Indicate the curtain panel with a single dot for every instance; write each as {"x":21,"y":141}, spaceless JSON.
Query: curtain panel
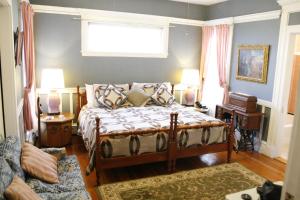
{"x":207,"y":34}
{"x":29,"y":61}
{"x":222,"y":41}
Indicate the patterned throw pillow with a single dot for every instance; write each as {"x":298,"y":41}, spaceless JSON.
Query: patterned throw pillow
{"x":150,"y":89}
{"x":112,"y":97}
{"x":162,"y":96}
{"x":99,"y":90}
{"x":10,"y":149}
{"x":6,"y":176}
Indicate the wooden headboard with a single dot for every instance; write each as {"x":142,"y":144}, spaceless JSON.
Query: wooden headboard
{"x":82,"y":100}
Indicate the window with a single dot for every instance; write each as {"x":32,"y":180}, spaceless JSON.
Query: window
{"x":123,"y":39}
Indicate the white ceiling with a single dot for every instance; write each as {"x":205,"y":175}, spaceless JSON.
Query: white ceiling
{"x":201,"y":2}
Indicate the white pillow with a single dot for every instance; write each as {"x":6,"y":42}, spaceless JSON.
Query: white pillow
{"x":89,"y":89}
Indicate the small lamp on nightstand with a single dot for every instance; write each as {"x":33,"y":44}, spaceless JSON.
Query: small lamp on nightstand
{"x":52,"y":80}
{"x":191,"y":79}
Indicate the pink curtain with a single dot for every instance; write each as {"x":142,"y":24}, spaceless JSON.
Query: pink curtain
{"x":207,"y":34}
{"x":29,"y":60}
{"x":222,"y":40}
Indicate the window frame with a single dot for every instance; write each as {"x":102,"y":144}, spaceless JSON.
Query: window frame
{"x":84,"y":38}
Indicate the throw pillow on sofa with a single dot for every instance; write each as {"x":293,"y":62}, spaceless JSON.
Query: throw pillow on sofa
{"x":18,"y":190}
{"x":39,"y":164}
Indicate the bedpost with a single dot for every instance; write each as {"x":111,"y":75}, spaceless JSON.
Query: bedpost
{"x":175,"y":140}
{"x":78,"y":104}
{"x":170,"y":143}
{"x":39,"y":122}
{"x":97,"y":154}
{"x":230,"y":137}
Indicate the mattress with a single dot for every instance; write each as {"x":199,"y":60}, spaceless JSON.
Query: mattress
{"x":125,"y":120}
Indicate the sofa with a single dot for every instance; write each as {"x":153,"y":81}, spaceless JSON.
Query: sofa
{"x":70,"y":186}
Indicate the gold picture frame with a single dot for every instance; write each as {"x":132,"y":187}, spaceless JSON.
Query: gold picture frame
{"x":253,"y":61}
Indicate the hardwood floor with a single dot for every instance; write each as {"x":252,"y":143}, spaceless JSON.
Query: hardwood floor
{"x":262,"y":165}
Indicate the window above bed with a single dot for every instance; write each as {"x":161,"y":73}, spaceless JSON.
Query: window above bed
{"x":124,"y":38}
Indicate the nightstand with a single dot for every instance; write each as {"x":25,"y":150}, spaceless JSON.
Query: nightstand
{"x":58,"y":130}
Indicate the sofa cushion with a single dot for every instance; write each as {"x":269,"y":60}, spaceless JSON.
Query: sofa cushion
{"x":6,"y":176}
{"x":74,"y":195}
{"x":69,"y":175}
{"x":39,"y":164}
{"x":18,"y":190}
{"x":10,"y":149}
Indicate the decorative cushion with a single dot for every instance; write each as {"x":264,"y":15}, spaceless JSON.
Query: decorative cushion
{"x":138,"y":97}
{"x":162,"y":96}
{"x":70,"y":178}
{"x":10,"y":149}
{"x":39,"y":164}
{"x":99,"y":90}
{"x":150,"y":89}
{"x":6,"y":176}
{"x":18,"y":190}
{"x":112,"y":97}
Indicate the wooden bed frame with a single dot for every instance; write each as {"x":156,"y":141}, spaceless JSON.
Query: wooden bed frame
{"x":170,"y":155}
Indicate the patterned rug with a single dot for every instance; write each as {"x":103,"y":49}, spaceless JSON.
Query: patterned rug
{"x":211,"y":183}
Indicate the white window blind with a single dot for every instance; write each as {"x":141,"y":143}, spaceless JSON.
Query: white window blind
{"x":125,"y":39}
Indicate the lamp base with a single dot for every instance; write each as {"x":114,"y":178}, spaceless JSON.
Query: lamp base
{"x":189,"y":96}
{"x":53,"y":103}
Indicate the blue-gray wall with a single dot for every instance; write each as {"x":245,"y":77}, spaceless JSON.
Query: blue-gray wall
{"x":234,"y":8}
{"x":294,"y":18}
{"x":57,"y":43}
{"x":153,"y":7}
{"x":263,"y":32}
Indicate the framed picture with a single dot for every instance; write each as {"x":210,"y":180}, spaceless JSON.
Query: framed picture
{"x":253,"y":63}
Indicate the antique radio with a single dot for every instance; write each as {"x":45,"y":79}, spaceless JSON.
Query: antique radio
{"x":242,"y":102}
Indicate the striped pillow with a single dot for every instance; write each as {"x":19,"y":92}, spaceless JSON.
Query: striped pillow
{"x":39,"y":164}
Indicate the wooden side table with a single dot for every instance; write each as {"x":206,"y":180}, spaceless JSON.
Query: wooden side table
{"x":58,"y":130}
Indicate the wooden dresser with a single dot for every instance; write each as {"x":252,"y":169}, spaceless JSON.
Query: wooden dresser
{"x":247,"y":118}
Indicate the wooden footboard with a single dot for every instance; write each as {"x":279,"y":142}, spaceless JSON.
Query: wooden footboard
{"x":170,"y":155}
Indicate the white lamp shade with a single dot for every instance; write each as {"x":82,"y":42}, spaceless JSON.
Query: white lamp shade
{"x":190,"y":77}
{"x":52,"y":79}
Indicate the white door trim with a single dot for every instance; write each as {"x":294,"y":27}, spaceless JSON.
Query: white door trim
{"x":282,"y":75}
{"x":8,"y":70}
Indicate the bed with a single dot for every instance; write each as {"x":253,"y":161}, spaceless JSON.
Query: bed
{"x":138,"y":135}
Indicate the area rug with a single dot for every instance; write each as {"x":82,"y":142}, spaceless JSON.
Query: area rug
{"x":210,"y":183}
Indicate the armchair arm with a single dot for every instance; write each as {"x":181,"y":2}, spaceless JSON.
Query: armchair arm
{"x":59,"y":153}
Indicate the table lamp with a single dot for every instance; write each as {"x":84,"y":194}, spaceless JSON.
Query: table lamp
{"x":191,"y":79}
{"x":52,"y":80}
